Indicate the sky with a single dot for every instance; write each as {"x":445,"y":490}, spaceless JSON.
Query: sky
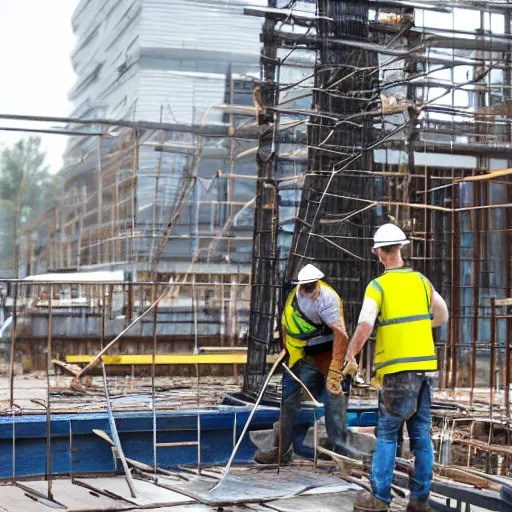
{"x":36,"y":41}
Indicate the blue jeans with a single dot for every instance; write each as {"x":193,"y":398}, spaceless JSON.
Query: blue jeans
{"x":405,"y":397}
{"x":335,"y":410}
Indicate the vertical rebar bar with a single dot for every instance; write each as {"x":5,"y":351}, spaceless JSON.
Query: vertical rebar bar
{"x":102,"y":315}
{"x":476,"y":291}
{"x":198,"y":442}
{"x":13,"y":344}
{"x":48,"y":395}
{"x":507,"y":371}
{"x":154,"y":294}
{"x":455,"y":299}
{"x":100,"y":199}
{"x":492,"y":356}
{"x":71,"y":450}
{"x":13,"y":446}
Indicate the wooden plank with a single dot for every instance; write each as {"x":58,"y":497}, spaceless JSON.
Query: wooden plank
{"x":489,"y":176}
{"x":128,"y":359}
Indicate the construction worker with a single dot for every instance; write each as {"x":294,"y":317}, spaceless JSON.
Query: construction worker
{"x":313,"y":328}
{"x":407,"y":308}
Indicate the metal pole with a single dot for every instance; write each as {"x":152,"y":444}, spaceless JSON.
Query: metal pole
{"x":196,"y":336}
{"x":115,"y":435}
{"x":492,"y":356}
{"x":476,"y":288}
{"x":13,"y":446}
{"x":507,"y":372}
{"x":48,"y":394}
{"x":71,"y":450}
{"x":234,"y":430}
{"x":153,"y":358}
{"x":198,"y":443}
{"x":102,"y":315}
{"x":100,"y":198}
{"x":280,"y":357}
{"x":13,"y":345}
{"x":280,"y":441}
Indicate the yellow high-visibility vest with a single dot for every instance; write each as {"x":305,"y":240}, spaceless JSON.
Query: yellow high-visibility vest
{"x":404,"y":329}
{"x":300,"y":331}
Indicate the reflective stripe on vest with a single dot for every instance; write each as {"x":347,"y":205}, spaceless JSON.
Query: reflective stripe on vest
{"x":404,"y":330}
{"x":405,"y":319}
{"x":378,"y":366}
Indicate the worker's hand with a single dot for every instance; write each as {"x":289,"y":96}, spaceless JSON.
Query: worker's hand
{"x":334,"y":380}
{"x":350,"y":367}
{"x":376,"y":383}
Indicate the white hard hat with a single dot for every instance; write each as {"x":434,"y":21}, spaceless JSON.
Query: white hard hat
{"x":389,"y":234}
{"x":309,"y":274}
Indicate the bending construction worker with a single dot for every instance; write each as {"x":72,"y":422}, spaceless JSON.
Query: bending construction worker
{"x":316,"y":341}
{"x":407,"y":308}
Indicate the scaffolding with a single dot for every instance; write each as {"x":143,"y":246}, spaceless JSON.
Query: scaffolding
{"x":395,"y":112}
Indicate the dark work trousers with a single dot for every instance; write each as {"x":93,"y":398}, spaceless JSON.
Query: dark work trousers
{"x":405,"y":397}
{"x":335,"y":409}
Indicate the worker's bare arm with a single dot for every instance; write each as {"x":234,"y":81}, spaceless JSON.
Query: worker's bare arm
{"x":361,"y":335}
{"x":439,"y":310}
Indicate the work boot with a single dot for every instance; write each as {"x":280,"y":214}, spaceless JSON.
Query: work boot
{"x":270,"y":456}
{"x":367,"y":502}
{"x":418,"y":506}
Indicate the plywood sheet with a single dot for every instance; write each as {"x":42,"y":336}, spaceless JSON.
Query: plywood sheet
{"x":258,"y":485}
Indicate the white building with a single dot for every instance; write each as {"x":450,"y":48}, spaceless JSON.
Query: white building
{"x":173,"y":61}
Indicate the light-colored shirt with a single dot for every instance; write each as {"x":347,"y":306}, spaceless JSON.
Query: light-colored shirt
{"x":326,"y":308}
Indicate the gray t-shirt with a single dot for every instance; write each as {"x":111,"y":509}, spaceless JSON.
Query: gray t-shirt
{"x":326,"y":308}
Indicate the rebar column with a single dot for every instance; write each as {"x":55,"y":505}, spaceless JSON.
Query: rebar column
{"x":265,"y":265}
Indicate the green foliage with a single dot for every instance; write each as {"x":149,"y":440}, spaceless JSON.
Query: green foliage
{"x":23,"y":166}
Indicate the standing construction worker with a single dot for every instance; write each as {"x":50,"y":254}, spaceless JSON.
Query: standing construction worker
{"x":313,"y":328}
{"x":407,"y":308}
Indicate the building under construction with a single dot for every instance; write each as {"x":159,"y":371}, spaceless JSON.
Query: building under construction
{"x":364,"y":112}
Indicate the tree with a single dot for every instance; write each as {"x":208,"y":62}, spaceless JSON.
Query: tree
{"x":26,"y":185}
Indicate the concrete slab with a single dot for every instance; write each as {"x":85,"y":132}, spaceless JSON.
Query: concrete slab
{"x":335,"y":502}
{"x":77,"y":498}
{"x":147,"y":492}
{"x":13,"y":499}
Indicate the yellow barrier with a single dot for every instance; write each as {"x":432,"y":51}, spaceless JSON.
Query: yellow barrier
{"x":146,"y":359}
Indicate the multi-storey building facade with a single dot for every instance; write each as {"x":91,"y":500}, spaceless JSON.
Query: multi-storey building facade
{"x":146,"y":200}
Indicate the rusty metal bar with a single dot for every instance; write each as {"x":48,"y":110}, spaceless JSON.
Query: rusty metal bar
{"x":492,"y":356}
{"x":153,"y":369}
{"x":13,"y":345}
{"x":102,"y":315}
{"x":507,"y":372}
{"x":48,"y":396}
{"x":455,"y":299}
{"x":476,"y":291}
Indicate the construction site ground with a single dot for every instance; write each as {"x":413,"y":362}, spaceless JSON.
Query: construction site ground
{"x":295,"y":488}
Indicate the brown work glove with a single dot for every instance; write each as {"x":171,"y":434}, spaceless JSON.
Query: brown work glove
{"x":350,"y":367}
{"x":334,"y":378}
